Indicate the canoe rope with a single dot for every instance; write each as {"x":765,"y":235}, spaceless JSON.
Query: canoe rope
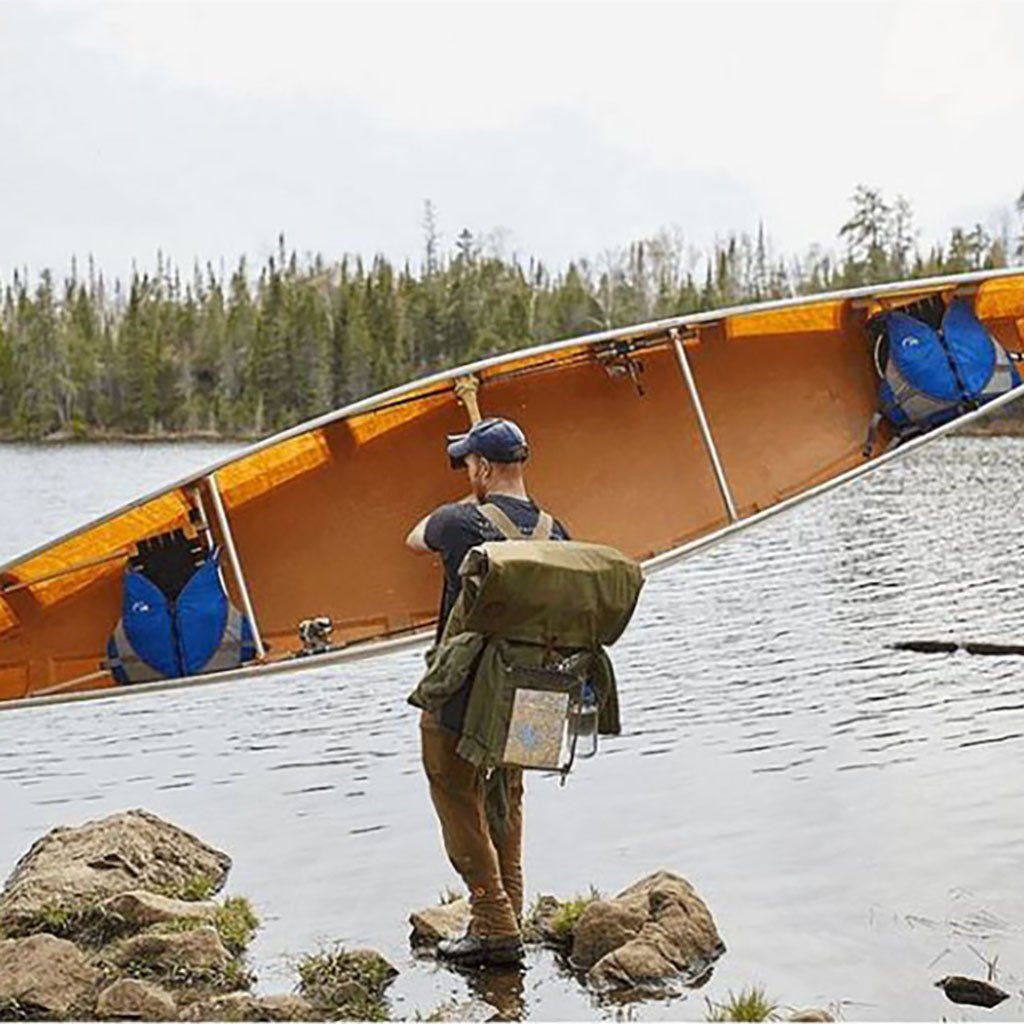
{"x":466,"y":389}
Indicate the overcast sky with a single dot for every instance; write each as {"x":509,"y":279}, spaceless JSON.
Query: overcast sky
{"x":205,"y":129}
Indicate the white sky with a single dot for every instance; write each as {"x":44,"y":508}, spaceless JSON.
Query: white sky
{"x":206,"y":128}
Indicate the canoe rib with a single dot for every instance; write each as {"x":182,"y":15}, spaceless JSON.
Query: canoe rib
{"x":705,"y":430}
{"x":236,"y":564}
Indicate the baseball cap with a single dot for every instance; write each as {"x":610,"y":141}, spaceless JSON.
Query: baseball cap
{"x":497,"y":439}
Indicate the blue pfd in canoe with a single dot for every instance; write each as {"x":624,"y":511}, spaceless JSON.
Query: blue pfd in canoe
{"x":934,"y":371}
{"x":163,"y":638}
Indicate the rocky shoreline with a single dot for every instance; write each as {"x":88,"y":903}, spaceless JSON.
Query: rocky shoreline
{"x":117,"y":919}
{"x":122,"y":919}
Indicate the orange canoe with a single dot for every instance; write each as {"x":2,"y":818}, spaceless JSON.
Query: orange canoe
{"x":658,"y":439}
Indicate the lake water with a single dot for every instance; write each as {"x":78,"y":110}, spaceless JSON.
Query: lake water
{"x":852,"y":815}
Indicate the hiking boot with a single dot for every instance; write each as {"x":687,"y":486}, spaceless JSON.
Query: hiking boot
{"x":474,"y":951}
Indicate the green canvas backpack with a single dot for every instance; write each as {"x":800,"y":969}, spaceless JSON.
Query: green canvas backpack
{"x":530,"y":627}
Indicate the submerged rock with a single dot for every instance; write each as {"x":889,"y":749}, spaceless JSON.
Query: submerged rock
{"x":69,"y":869}
{"x":243,"y":1006}
{"x":133,"y":999}
{"x":811,"y":1015}
{"x":971,"y":991}
{"x":44,"y":975}
{"x":443,"y":921}
{"x":471,"y":1011}
{"x":651,"y":934}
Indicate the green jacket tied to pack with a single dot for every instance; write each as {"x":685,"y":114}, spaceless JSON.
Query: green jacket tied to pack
{"x":530,"y":625}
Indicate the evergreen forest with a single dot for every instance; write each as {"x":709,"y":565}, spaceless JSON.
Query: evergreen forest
{"x":246,"y":353}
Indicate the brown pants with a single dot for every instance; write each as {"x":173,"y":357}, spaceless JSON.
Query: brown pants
{"x":490,"y":865}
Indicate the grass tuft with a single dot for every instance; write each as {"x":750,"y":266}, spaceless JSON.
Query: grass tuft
{"x":448,"y":895}
{"x":230,"y":978}
{"x":564,"y":920}
{"x":91,"y":926}
{"x":194,"y":889}
{"x":346,"y":985}
{"x":236,"y":923}
{"x":750,"y":1004}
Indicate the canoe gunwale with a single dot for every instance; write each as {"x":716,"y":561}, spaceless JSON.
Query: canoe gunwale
{"x":656,"y":563}
{"x":633,"y":333}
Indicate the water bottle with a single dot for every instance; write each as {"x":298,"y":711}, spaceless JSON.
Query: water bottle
{"x":586,"y":722}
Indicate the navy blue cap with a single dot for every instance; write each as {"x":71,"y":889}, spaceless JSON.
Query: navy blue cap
{"x":496,"y":439}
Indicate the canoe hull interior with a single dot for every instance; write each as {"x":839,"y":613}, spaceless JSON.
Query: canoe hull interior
{"x":318,"y":519}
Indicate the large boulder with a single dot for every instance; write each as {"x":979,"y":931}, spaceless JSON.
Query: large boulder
{"x":134,"y":999}
{"x":444,"y":921}
{"x":243,"y":1006}
{"x":69,"y":869}
{"x":44,"y":975}
{"x":655,"y":933}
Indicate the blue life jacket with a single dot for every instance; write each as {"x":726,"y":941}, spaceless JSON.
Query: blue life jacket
{"x":932,"y":376}
{"x":157,"y":638}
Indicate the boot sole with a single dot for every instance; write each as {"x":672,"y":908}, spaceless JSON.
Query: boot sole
{"x":489,"y":958}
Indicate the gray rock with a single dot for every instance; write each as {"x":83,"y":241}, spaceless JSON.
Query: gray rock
{"x":242,"y":1006}
{"x":72,"y":868}
{"x":470,"y":1010}
{"x":132,"y":999}
{"x":141,"y":909}
{"x":46,"y":974}
{"x":538,"y":926}
{"x":445,"y":921}
{"x":812,"y":1015}
{"x":655,"y":932}
{"x":198,"y":950}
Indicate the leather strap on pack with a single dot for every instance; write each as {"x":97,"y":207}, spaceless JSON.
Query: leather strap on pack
{"x":504,"y":525}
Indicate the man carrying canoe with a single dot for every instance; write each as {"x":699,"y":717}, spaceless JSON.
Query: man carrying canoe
{"x":487,"y":857}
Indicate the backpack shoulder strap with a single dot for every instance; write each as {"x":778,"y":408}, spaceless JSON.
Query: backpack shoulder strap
{"x":500,"y":521}
{"x":544,"y":528}
{"x":504,"y":525}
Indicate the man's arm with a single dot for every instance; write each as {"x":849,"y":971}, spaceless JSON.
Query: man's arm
{"x":417,"y":538}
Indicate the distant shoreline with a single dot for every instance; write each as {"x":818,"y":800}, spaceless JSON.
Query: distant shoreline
{"x":997,"y":426}
{"x":115,"y":437}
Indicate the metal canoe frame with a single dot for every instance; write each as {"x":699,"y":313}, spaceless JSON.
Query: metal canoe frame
{"x":670,"y":327}
{"x":705,"y":429}
{"x":236,"y":564}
